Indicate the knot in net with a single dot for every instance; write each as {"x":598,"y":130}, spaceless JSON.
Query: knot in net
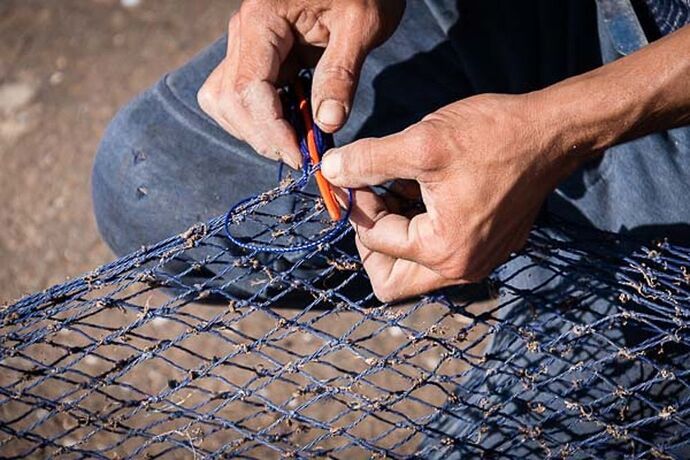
{"x":290,"y":218}
{"x":198,"y":346}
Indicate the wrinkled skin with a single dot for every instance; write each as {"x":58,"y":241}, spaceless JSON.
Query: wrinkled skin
{"x":482,"y":166}
{"x":269,"y":41}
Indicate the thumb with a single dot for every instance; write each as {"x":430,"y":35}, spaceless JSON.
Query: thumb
{"x":370,"y":161}
{"x":335,"y":79}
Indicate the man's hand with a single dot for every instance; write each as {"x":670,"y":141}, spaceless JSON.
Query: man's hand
{"x":269,"y":41}
{"x":483,"y":165}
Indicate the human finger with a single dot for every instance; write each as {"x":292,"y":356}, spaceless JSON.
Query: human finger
{"x":373,"y":161}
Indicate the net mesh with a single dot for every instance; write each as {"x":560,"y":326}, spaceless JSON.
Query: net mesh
{"x":197,"y":347}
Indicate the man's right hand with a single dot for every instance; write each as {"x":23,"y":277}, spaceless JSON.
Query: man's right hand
{"x":269,"y":41}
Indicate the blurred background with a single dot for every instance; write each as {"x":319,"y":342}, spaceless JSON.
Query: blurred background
{"x":66,"y":66}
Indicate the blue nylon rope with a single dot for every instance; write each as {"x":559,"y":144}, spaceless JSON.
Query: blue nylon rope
{"x":308,"y":170}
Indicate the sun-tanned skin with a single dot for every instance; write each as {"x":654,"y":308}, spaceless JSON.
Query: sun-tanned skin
{"x":482,"y":165}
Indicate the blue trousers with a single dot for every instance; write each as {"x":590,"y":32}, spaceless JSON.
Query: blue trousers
{"x":164,"y":165}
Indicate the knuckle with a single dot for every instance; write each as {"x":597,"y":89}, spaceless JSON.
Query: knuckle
{"x":384,"y":291}
{"x":434,"y":159}
{"x":450,"y":261}
{"x":240,"y":90}
{"x":263,"y":150}
{"x":456,"y":268}
{"x":205,"y":99}
{"x":437,"y":246}
{"x":417,"y":246}
{"x":339,"y":72}
{"x":362,"y":18}
{"x":225,"y":111}
{"x":365,"y":237}
{"x":424,"y":139}
{"x":361,"y":164}
{"x":250,"y":7}
{"x":464,"y":266}
{"x":247,"y":95}
{"x":425,"y":133}
{"x":436,"y":257}
{"x":383,"y":286}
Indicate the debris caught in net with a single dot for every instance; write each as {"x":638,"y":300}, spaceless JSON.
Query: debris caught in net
{"x":198,"y":347}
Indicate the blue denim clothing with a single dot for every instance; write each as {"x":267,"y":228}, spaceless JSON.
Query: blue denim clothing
{"x":669,"y":15}
{"x":164,"y":165}
{"x":621,"y":192}
{"x":639,"y":187}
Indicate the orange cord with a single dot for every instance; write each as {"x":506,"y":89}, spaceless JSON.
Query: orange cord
{"x":321,"y":182}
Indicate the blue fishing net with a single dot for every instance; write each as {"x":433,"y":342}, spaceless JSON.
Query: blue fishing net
{"x":256,"y":335}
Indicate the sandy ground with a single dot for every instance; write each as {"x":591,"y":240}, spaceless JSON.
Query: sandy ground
{"x":65,"y":68}
{"x":232,"y":380}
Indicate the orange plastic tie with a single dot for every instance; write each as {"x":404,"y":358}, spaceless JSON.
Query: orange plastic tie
{"x":324,"y":186}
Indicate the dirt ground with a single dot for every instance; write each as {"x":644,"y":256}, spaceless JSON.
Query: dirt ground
{"x":65,"y":68}
{"x":97,"y":396}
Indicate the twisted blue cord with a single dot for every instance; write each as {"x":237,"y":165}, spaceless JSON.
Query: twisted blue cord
{"x":308,"y":170}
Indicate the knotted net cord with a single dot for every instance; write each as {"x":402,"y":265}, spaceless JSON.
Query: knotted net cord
{"x":198,"y":347}
{"x":289,"y":188}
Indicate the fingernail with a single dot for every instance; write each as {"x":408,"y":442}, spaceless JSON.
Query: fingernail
{"x":331,"y":112}
{"x":330,"y":164}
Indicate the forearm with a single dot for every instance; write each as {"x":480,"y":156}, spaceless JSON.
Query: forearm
{"x":642,"y":93}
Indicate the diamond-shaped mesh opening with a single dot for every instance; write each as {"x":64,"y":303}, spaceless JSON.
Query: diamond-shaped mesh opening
{"x":590,"y":357}
{"x":203,"y":345}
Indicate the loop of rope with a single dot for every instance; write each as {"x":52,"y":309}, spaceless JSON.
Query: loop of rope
{"x":308,"y":170}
